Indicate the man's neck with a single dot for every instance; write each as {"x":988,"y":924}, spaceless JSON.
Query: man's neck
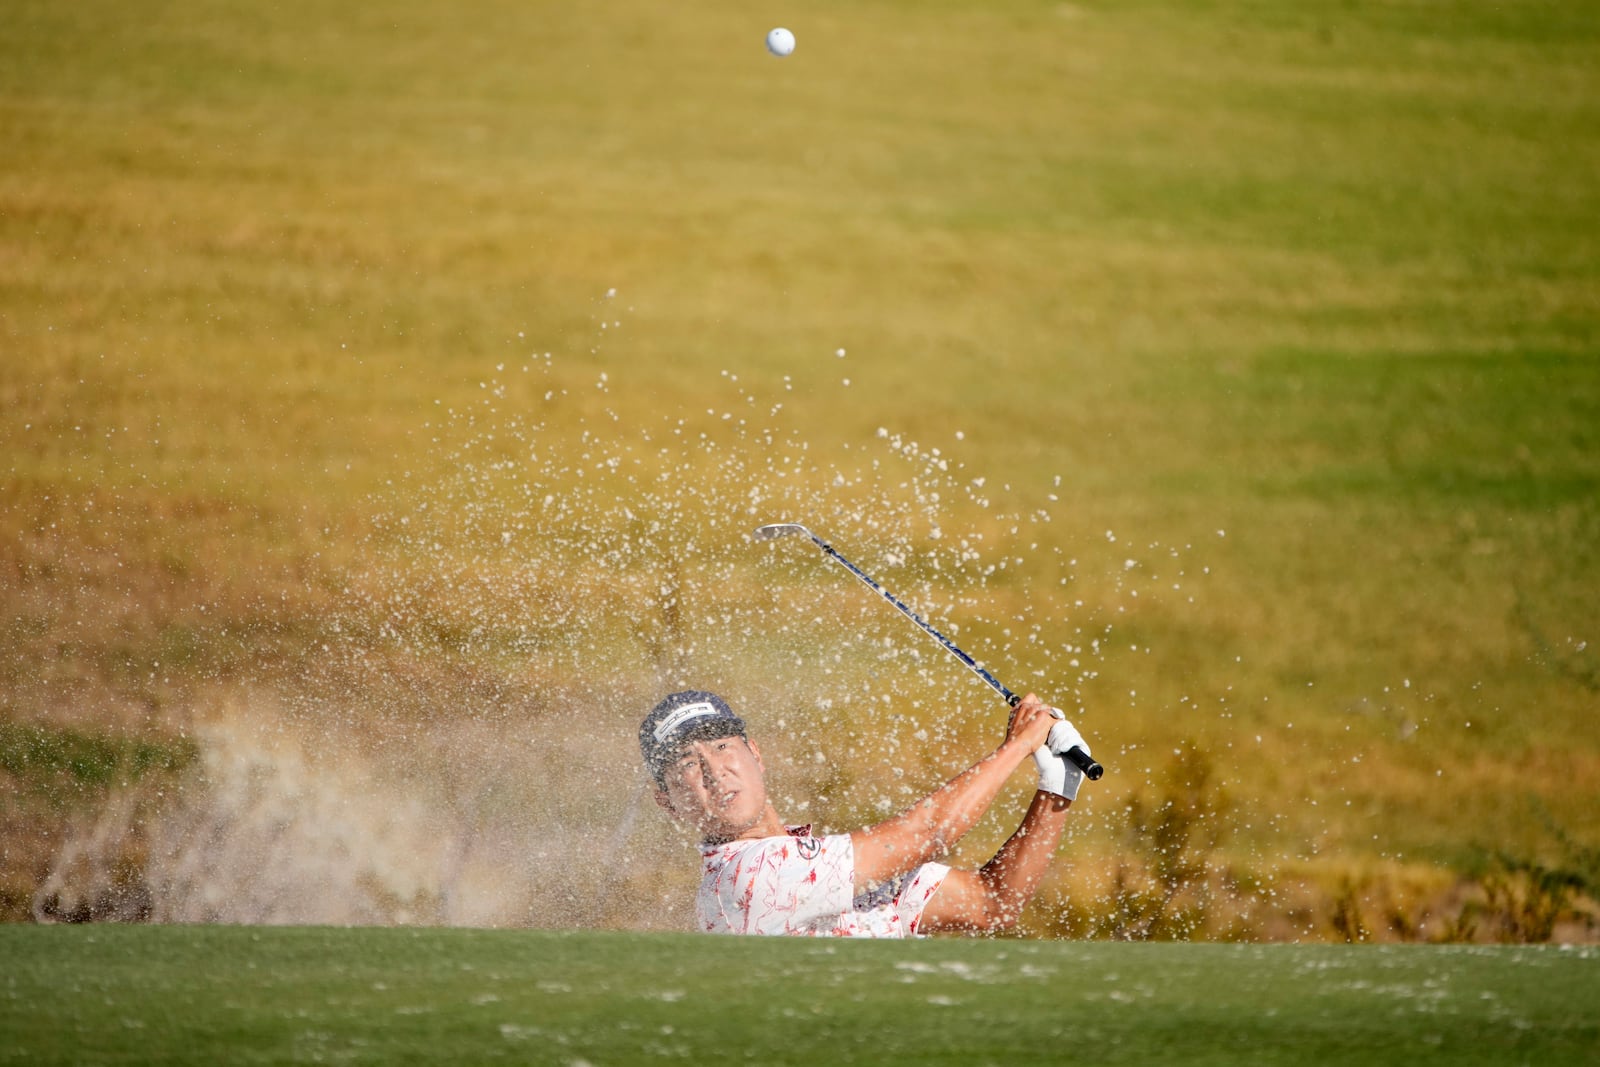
{"x":769,"y":825}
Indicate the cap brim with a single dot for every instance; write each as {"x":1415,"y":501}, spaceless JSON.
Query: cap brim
{"x":705,"y":730}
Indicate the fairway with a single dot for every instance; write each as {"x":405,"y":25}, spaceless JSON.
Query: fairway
{"x":234,"y":995}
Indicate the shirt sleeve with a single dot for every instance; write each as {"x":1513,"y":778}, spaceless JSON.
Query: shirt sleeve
{"x":920,"y":887}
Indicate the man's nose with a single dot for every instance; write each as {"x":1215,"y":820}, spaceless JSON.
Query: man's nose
{"x":710,"y":770}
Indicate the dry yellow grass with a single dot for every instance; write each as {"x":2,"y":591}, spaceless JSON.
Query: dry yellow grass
{"x":434,"y":367}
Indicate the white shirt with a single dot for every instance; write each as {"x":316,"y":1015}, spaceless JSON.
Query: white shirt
{"x":804,"y":885}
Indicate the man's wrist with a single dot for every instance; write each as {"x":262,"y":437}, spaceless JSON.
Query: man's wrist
{"x":1013,"y":749}
{"x":1052,"y":802}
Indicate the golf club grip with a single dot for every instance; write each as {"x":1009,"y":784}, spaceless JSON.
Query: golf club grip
{"x":1074,"y":755}
{"x":1085,"y":763}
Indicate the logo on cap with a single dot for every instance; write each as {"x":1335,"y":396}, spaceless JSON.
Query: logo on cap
{"x":667,"y":725}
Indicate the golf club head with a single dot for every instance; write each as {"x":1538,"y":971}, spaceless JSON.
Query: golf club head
{"x":773,"y":531}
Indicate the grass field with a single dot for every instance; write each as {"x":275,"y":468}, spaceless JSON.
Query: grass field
{"x":272,"y":995}
{"x":386,"y":398}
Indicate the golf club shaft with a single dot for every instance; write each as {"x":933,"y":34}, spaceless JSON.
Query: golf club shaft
{"x":1076,"y":756}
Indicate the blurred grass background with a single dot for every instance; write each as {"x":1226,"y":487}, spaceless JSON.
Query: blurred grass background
{"x":1291,"y":306}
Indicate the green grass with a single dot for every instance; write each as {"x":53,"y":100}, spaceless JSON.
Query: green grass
{"x":211,"y":995}
{"x":1318,"y":276}
{"x":61,"y":763}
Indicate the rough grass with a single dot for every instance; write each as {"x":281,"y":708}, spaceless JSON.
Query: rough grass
{"x":1318,"y":277}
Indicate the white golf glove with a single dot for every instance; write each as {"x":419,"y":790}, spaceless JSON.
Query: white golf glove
{"x":1056,"y":775}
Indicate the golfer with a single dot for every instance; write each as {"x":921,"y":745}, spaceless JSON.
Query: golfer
{"x":764,"y":877}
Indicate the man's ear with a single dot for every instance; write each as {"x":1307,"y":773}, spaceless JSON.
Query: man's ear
{"x":755,"y":750}
{"x":665,"y":802}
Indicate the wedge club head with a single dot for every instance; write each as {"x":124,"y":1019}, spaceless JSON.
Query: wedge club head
{"x":775,"y":530}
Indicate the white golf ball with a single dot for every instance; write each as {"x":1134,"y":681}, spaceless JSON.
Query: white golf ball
{"x":780,"y":42}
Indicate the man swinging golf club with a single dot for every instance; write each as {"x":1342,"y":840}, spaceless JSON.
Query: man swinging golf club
{"x":762,"y":876}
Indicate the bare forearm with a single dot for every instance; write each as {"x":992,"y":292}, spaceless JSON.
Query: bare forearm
{"x":1013,"y":875}
{"x":992,"y":897}
{"x":955,"y":807}
{"x":931,"y":827}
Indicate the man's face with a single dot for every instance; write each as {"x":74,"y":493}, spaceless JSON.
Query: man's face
{"x":718,"y":786}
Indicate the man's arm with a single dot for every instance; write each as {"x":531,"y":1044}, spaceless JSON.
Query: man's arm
{"x":993,"y":896}
{"x":931,"y":828}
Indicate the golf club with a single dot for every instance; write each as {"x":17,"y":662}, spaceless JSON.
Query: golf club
{"x":771,"y":532}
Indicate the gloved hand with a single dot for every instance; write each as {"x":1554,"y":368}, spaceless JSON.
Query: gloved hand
{"x":1056,"y":775}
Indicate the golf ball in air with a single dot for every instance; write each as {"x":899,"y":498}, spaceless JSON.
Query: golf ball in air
{"x":780,"y":42}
